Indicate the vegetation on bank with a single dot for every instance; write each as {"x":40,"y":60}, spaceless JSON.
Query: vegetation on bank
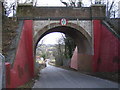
{"x":9,"y":32}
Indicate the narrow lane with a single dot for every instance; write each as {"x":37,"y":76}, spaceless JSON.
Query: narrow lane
{"x":54,"y":77}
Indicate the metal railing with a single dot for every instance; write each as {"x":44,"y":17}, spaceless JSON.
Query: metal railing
{"x":2,"y":72}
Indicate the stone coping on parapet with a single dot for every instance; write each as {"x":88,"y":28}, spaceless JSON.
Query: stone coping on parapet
{"x":25,"y":4}
{"x":96,"y":5}
{"x":31,"y":12}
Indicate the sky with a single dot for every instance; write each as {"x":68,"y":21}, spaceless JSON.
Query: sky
{"x":57,"y":2}
{"x":52,"y":2}
{"x":53,"y":37}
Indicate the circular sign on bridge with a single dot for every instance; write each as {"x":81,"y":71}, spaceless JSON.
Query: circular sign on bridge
{"x":63,"y":21}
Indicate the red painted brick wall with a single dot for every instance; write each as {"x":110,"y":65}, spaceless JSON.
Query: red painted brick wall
{"x":23,"y":68}
{"x":106,"y":56}
{"x":106,"y":49}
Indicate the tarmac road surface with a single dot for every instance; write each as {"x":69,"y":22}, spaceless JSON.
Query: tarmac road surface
{"x":54,"y":77}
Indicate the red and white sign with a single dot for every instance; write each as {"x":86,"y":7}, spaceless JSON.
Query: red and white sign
{"x":63,"y":22}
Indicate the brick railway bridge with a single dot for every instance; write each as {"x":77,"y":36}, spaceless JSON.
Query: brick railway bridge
{"x":97,"y":49}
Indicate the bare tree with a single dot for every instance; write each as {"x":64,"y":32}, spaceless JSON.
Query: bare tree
{"x":10,"y":8}
{"x":72,"y":3}
{"x":35,"y":2}
{"x":91,"y":2}
{"x":65,"y":3}
{"x":79,"y":3}
{"x":111,"y":8}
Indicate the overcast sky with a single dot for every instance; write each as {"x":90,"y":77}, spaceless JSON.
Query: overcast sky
{"x":57,"y":2}
{"x":51,"y":38}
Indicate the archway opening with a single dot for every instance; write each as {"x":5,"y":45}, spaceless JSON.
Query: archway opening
{"x":82,"y":41}
{"x":57,"y":48}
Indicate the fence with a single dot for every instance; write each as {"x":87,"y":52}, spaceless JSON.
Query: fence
{"x":2,"y":72}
